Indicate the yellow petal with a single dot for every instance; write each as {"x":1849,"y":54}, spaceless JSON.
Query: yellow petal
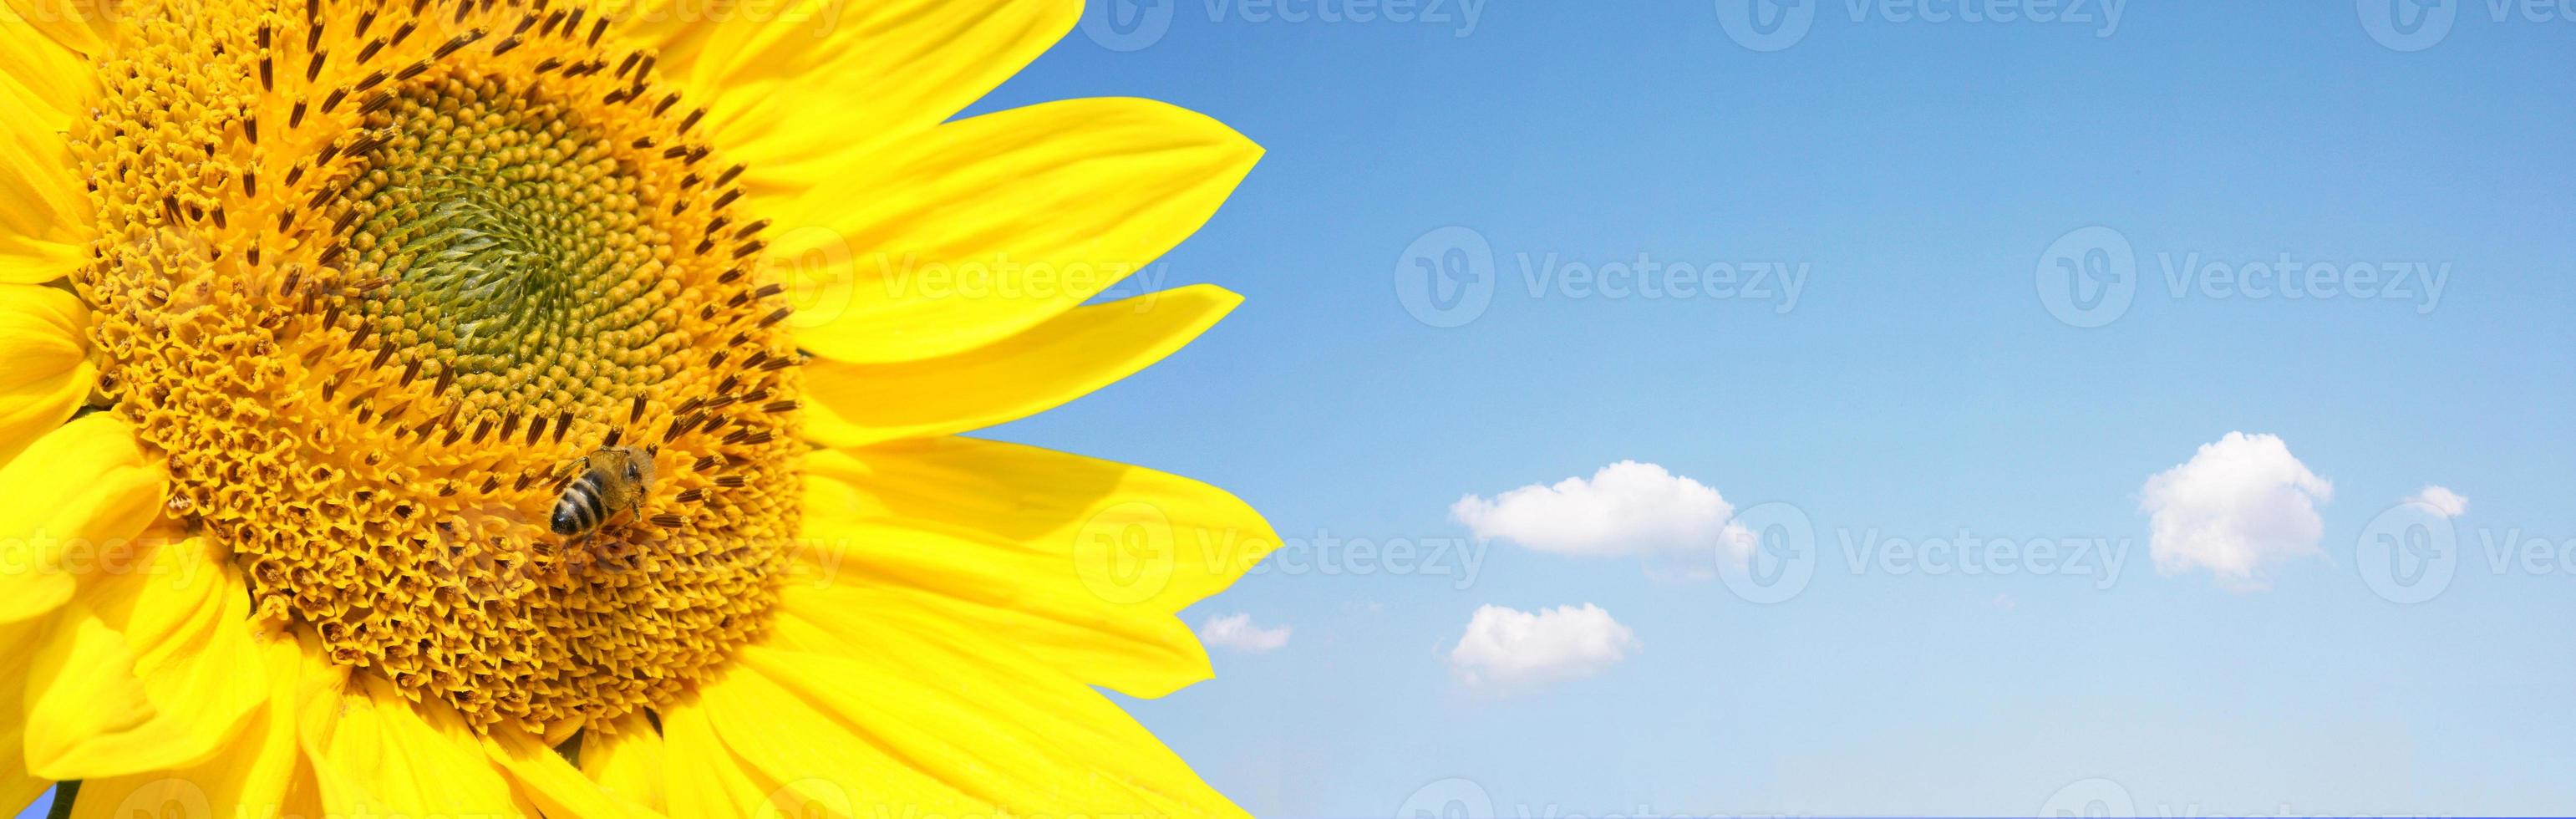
{"x":249,"y":779}
{"x":551,"y":782}
{"x":49,"y":372}
{"x":706,"y":779}
{"x":829,"y":752}
{"x":793,"y":87}
{"x":31,"y":60}
{"x":1058,"y":361}
{"x":16,"y":786}
{"x":88,"y":715}
{"x":25,"y":260}
{"x":74,"y":25}
{"x":983,"y":719}
{"x":627,"y":763}
{"x":1144,"y":653}
{"x":178,"y":626}
{"x":152,"y":667}
{"x":303,"y":795}
{"x":41,"y":220}
{"x":184,"y":612}
{"x":982,"y":228}
{"x":43,"y":209}
{"x":74,"y":497}
{"x":1082,"y":562}
{"x":376,"y":754}
{"x":17,"y":645}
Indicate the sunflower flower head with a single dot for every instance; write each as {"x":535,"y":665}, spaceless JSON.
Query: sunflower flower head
{"x":326,"y":320}
{"x":373,"y":276}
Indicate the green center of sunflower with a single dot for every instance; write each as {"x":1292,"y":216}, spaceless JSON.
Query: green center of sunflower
{"x":521,"y":260}
{"x":387,"y":284}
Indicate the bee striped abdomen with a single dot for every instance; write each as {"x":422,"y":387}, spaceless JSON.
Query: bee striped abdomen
{"x":580,"y":509}
{"x":613,"y":481}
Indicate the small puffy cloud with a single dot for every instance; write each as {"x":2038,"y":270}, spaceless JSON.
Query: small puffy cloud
{"x":1627,"y":509}
{"x":2238,"y":508}
{"x":1510,"y":648}
{"x":2002,"y":601}
{"x":1237,"y":632}
{"x":2440,"y":500}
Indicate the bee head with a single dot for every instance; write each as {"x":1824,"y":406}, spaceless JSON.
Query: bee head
{"x":638,"y":464}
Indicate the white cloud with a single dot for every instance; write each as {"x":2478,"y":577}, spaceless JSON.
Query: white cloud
{"x":2238,"y":508}
{"x":2440,"y":500}
{"x":1626,"y":509}
{"x":1237,"y":632}
{"x":2003,"y":601}
{"x":1508,"y":648}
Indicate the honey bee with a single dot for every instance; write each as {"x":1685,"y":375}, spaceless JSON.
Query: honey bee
{"x":612,"y":480}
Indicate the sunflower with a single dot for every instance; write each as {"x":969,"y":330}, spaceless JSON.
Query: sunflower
{"x":313,"y":310}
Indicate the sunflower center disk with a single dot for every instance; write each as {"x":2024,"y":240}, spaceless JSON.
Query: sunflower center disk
{"x":376,"y":279}
{"x":516,"y":249}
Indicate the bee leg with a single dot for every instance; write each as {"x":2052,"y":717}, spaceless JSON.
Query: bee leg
{"x":565,"y":472}
{"x":634,"y":514}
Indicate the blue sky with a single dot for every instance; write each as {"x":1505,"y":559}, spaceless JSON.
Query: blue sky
{"x":1922,"y":178}
{"x":1918,"y":387}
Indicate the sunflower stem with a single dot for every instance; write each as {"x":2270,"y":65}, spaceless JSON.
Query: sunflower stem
{"x":64,"y":794}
